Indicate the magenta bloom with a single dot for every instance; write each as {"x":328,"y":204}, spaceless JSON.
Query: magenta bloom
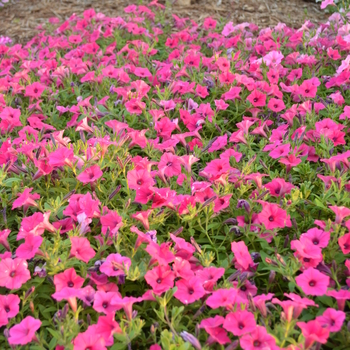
{"x":62,"y":156}
{"x":313,"y":332}
{"x":259,"y":339}
{"x":24,"y":332}
{"x":34,"y":90}
{"x":272,"y":216}
{"x":276,"y":105}
{"x":332,"y":319}
{"x":243,"y":261}
{"x":278,"y":187}
{"x":222,"y":298}
{"x":115,"y":265}
{"x":138,"y":178}
{"x":3,"y":318}
{"x":169,"y":165}
{"x":189,"y":290}
{"x":3,"y":238}
{"x":91,"y":174}
{"x":89,"y":340}
{"x":240,"y":322}
{"x":313,"y":282}
{"x":160,"y":278}
{"x":257,"y":98}
{"x":216,"y":333}
{"x":161,"y":253}
{"x":10,"y":304}
{"x":13,"y":273}
{"x":81,"y":249}
{"x":68,"y":278}
{"x":26,"y":199}
{"x":103,"y":302}
{"x":112,"y":221}
{"x":29,"y":248}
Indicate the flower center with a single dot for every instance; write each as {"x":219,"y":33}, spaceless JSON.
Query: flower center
{"x":256,"y":343}
{"x":7,"y":309}
{"x":240,"y":326}
{"x":12,"y":273}
{"x":159,"y":281}
{"x":105,"y":305}
{"x":315,"y":242}
{"x":70,"y":284}
{"x":139,"y":182}
{"x":271,"y":218}
{"x":312,"y":283}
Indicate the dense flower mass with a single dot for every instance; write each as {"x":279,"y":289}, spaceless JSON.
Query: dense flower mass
{"x":166,"y":184}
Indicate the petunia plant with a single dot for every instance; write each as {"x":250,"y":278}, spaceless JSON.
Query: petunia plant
{"x":168,"y":184}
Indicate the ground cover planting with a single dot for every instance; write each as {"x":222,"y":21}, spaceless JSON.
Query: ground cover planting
{"x":166,"y":184}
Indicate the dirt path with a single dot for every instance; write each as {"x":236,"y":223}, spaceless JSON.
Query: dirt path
{"x":19,"y":19}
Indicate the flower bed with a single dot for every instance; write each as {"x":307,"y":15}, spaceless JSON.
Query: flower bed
{"x":170,"y":185}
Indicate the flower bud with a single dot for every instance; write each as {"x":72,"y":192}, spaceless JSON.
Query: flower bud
{"x":178,"y":231}
{"x":114,"y":192}
{"x":270,"y":262}
{"x":272,"y":276}
{"x":29,"y":292}
{"x":236,"y":231}
{"x":280,"y":259}
{"x":191,"y":339}
{"x":231,"y":221}
{"x":243,"y":204}
{"x":255,"y":255}
{"x":195,"y":244}
{"x":31,"y":306}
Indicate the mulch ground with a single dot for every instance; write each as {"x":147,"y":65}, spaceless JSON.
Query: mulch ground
{"x":20,"y":19}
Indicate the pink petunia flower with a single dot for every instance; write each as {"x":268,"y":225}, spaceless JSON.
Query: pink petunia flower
{"x":216,"y":333}
{"x":222,"y":298}
{"x":313,"y":332}
{"x":30,"y":247}
{"x":89,"y":175}
{"x":276,"y":105}
{"x":115,"y":265}
{"x":68,"y":278}
{"x":26,"y":199}
{"x":272,"y":216}
{"x":189,"y":290}
{"x":10,"y":304}
{"x":240,"y":322}
{"x":13,"y":273}
{"x":89,"y":340}
{"x":160,"y":278}
{"x":81,"y":249}
{"x":258,"y":339}
{"x":24,"y":332}
{"x":242,"y":259}
{"x":313,"y":282}
{"x":332,"y":319}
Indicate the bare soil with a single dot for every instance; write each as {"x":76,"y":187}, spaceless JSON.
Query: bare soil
{"x":19,"y":19}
